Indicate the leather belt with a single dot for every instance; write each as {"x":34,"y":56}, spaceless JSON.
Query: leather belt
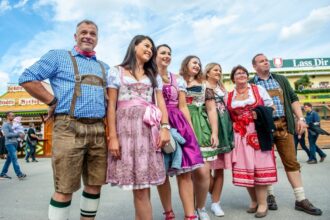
{"x":81,"y":120}
{"x":278,"y":118}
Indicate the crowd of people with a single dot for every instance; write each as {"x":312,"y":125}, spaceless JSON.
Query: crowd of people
{"x":204,"y":128}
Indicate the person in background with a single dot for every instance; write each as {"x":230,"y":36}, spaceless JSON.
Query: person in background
{"x":11,"y":144}
{"x":300,"y":139}
{"x":3,"y":151}
{"x":31,"y":143}
{"x":313,"y":118}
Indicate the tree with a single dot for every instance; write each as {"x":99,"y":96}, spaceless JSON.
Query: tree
{"x":303,"y":82}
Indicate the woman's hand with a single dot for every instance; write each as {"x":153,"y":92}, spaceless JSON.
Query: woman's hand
{"x":164,"y":137}
{"x":214,"y":140}
{"x":114,"y":148}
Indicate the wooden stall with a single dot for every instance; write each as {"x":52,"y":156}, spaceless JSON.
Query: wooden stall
{"x":17,"y":100}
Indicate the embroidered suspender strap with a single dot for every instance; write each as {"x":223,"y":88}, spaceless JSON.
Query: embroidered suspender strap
{"x":89,"y":79}
{"x":77,"y":86}
{"x":104,"y":81}
{"x":276,"y":92}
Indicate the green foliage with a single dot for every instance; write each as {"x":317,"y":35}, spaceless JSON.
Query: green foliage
{"x":308,"y":91}
{"x":303,"y":82}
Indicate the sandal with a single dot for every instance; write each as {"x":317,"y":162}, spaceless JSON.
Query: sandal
{"x":190,"y":217}
{"x":169,"y":215}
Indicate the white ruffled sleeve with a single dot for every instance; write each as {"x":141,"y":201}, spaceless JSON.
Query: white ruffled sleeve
{"x":182,"y":84}
{"x":265,"y":96}
{"x":159,"y":82}
{"x":113,"y":78}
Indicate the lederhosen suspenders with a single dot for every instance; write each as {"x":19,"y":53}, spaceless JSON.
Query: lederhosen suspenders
{"x":88,"y":79}
{"x":277,"y":92}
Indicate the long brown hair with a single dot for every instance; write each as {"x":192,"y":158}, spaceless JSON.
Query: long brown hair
{"x":130,"y":62}
{"x":184,"y":68}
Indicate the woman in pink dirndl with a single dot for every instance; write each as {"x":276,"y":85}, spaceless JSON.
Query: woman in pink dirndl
{"x":135,"y":161}
{"x":252,"y":168}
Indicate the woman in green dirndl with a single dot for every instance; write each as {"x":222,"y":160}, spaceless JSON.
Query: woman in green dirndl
{"x":202,"y":108}
{"x":213,"y":75}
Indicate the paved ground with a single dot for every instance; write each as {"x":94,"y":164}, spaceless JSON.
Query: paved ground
{"x":28,"y":199}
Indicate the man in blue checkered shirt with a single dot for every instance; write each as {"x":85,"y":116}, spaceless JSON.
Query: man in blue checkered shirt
{"x":78,"y":106}
{"x":286,"y":104}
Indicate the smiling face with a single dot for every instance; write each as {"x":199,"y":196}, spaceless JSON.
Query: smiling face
{"x":143,"y":51}
{"x":194,"y":66}
{"x":164,"y":57}
{"x":240,"y":77}
{"x":214,"y":73}
{"x":86,"y":37}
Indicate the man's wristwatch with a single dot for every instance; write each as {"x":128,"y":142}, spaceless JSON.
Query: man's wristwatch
{"x":302,"y":119}
{"x":165,"y":125}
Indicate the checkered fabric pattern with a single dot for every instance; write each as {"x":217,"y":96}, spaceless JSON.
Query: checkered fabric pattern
{"x":268,"y":84}
{"x":57,"y":66}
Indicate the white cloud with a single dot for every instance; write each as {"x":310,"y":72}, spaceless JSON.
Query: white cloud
{"x":20,"y":4}
{"x":4,"y":78}
{"x":4,"y":6}
{"x":267,"y":27}
{"x":316,"y":19}
{"x":17,"y":59}
{"x":214,"y":21}
{"x":207,"y":27}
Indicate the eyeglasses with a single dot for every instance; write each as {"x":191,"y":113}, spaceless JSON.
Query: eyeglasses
{"x":240,"y":73}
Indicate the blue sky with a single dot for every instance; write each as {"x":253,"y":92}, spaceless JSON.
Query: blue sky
{"x":229,"y":32}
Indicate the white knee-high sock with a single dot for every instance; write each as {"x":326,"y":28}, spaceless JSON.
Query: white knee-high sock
{"x":58,"y":210}
{"x":299,"y":193}
{"x":270,"y":190}
{"x":89,"y":204}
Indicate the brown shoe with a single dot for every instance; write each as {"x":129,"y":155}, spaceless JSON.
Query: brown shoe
{"x":307,"y":206}
{"x":322,"y":158}
{"x":261,"y":214}
{"x":271,"y":202}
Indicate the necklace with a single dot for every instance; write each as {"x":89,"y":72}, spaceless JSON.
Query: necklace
{"x":165,"y":78}
{"x":242,"y":92}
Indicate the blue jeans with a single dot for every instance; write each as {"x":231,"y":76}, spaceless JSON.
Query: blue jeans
{"x":11,"y":158}
{"x":302,"y":143}
{"x":30,"y":151}
{"x":313,"y":147}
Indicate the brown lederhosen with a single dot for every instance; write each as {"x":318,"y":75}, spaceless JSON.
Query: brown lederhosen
{"x":79,"y":146}
{"x":283,"y":139}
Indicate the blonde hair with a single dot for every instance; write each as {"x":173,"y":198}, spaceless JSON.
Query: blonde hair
{"x":208,"y":68}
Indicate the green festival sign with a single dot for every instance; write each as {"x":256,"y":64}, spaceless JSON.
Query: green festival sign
{"x":298,"y":63}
